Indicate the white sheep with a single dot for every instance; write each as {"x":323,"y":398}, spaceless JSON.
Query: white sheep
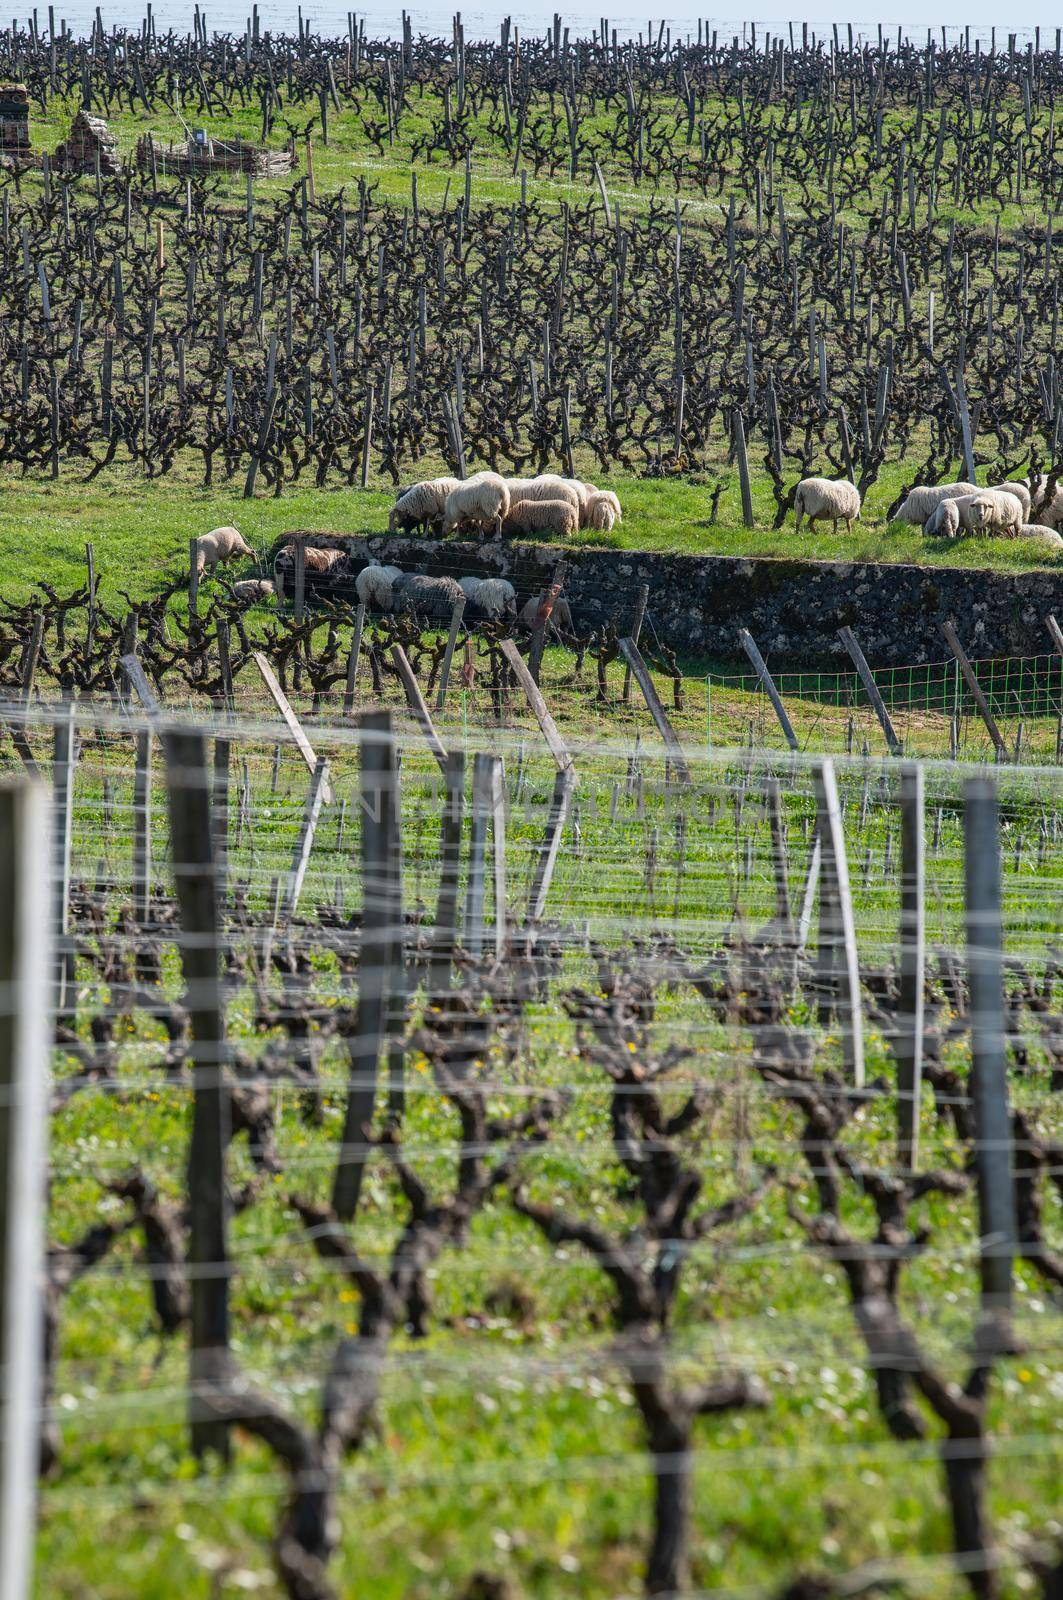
{"x":482,"y":499}
{"x":989,"y":511}
{"x":1047,"y":538}
{"x":944,"y":520}
{"x":576,"y":485}
{"x":541,"y":489}
{"x":600,"y":511}
{"x":830,"y":500}
{"x":250,"y":590}
{"x":373,"y":586}
{"x":1046,"y":508}
{"x":558,"y":517}
{"x":219,"y":546}
{"x":925,"y":497}
{"x":492,"y":600}
{"x":432,"y":599}
{"x":469,"y":586}
{"x":421,"y":505}
{"x":1021,"y":493}
{"x":609,"y":497}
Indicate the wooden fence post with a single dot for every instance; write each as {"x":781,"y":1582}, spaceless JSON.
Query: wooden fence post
{"x":952,"y":640}
{"x":558,"y":748}
{"x":63,"y":767}
{"x":415,"y":701}
{"x":452,"y":639}
{"x":381,"y":910}
{"x":193,"y":577}
{"x":25,"y":1039}
{"x":657,"y":712}
{"x":142,"y":829}
{"x":305,"y":843}
{"x":909,"y":1046}
{"x":760,"y":667}
{"x":352,"y":659}
{"x":295,"y":727}
{"x":743,"y":469}
{"x":560,"y":801}
{"x":498,"y":846}
{"x":546,"y":606}
{"x":446,"y":926}
{"x":848,"y":639}
{"x":989,"y":1082}
{"x":783,"y":913}
{"x":635,"y":634}
{"x":485,"y":787}
{"x":843,"y":931}
{"x":192,"y":848}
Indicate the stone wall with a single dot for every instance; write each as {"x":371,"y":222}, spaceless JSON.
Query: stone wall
{"x":792,"y":608}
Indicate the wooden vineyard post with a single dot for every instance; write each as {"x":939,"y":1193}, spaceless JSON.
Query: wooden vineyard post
{"x":446,"y":928}
{"x":193,"y":577}
{"x":452,"y":639}
{"x":951,"y":639}
{"x":381,"y":914}
{"x":1056,"y":633}
{"x":836,"y":894}
{"x":783,"y":913}
{"x":298,"y":580}
{"x":33,"y":650}
{"x":558,"y":748}
{"x":142,"y":828}
{"x":486,"y":806}
{"x":743,"y":469}
{"x":353,"y":658}
{"x":760,"y":667}
{"x":294,"y":726}
{"x":416,"y":702}
{"x":64,"y":763}
{"x":642,"y":677}
{"x":635,"y":634}
{"x":305,"y":842}
{"x":848,"y":639}
{"x":546,"y":607}
{"x":192,"y":847}
{"x":25,"y":1040}
{"x":909,"y":1047}
{"x":560,"y":802}
{"x":988,"y":1082}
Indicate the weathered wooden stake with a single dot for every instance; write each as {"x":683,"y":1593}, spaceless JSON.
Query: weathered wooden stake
{"x":25,"y":1042}
{"x":909,"y":1045}
{"x":849,"y":640}
{"x":444,"y":677}
{"x":836,"y":887}
{"x":192,"y":848}
{"x":948,"y":629}
{"x":760,"y":667}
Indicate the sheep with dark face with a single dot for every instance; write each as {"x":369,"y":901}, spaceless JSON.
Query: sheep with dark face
{"x":422,"y":505}
{"x":489,"y":600}
{"x":430,"y":600}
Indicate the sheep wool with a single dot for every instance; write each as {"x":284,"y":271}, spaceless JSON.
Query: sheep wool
{"x":493,"y":599}
{"x":600,"y":511}
{"x":1047,"y":538}
{"x":421,"y":504}
{"x":611,"y":499}
{"x":542,"y":516}
{"x":990,"y":511}
{"x":482,"y":500}
{"x":540,"y":489}
{"x":944,"y":521}
{"x":432,"y":599}
{"x":924,"y":499}
{"x":1046,"y":507}
{"x":830,"y":500}
{"x":249,"y":590}
{"x":219,"y":546}
{"x":373,"y":586}
{"x":1021,"y":493}
{"x":560,"y":617}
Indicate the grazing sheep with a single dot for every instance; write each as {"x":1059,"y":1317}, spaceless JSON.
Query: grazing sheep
{"x":559,"y":517}
{"x":314,"y":560}
{"x":830,"y":500}
{"x":250,"y":590}
{"x":560,"y":617}
{"x":373,"y":586}
{"x":990,"y":511}
{"x":923,"y":499}
{"x":944,"y":520}
{"x":532,"y":489}
{"x":430,"y":599}
{"x":1047,"y":537}
{"x":600,"y":511}
{"x":610,"y":498}
{"x":482,"y":499}
{"x":218,"y":546}
{"x":1046,"y":507}
{"x":492,"y":600}
{"x":421,"y":505}
{"x":469,"y":586}
{"x":1021,"y":493}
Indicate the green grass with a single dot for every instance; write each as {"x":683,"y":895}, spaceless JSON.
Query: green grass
{"x":496,"y":1435}
{"x":140,"y":531}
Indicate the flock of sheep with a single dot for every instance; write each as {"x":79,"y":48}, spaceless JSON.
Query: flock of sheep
{"x":488,"y":502}
{"x":947,"y":509}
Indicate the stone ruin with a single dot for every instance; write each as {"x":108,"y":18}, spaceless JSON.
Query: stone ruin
{"x":89,"y":138}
